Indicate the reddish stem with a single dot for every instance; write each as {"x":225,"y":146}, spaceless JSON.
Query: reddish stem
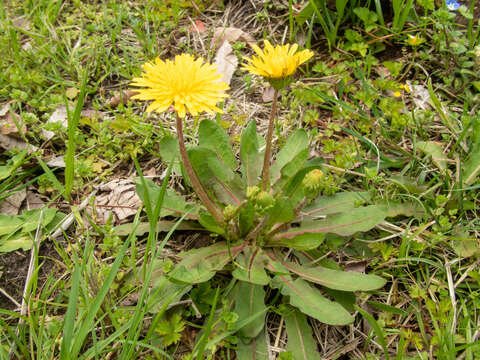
{"x":197,"y":186}
{"x":268,"y":149}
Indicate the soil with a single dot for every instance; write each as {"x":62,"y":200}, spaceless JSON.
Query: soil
{"x":14,"y":269}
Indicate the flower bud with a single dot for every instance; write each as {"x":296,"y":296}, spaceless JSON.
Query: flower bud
{"x":264,"y":199}
{"x":313,"y":180}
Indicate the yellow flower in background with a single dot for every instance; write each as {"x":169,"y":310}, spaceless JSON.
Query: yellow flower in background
{"x":415,"y":40}
{"x":190,"y":85}
{"x":277,"y":62}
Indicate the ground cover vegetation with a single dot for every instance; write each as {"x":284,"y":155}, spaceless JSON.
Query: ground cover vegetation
{"x":239,"y":180}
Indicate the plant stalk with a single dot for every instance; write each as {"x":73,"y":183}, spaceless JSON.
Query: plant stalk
{"x":268,"y":149}
{"x":212,"y":208}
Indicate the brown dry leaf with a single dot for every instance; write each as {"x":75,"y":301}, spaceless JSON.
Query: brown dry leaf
{"x":7,"y":122}
{"x":58,"y":116}
{"x":221,"y":34}
{"x":268,"y":94}
{"x":119,"y":196}
{"x":56,"y":162}
{"x":11,"y":205}
{"x":9,"y":142}
{"x":72,"y":92}
{"x":34,"y":201}
{"x":226,"y":62}
{"x":121,"y":97}
{"x":91,"y":113}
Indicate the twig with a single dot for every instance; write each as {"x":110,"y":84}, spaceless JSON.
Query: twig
{"x":65,"y":224}
{"x":10,"y":298}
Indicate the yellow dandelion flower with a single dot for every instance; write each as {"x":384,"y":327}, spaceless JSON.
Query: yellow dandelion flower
{"x":397,"y":94}
{"x":190,"y":85}
{"x":277,"y":62}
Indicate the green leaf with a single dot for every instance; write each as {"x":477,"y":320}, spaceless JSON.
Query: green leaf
{"x":9,"y":223}
{"x":251,"y":266}
{"x":345,"y":224}
{"x":173,"y":204}
{"x":250,"y":155}
{"x":310,"y":301}
{"x":340,"y":202}
{"x":471,"y":169}
{"x":18,"y":241}
{"x":250,"y":300}
{"x":337,"y":279}
{"x":31,"y":218}
{"x":209,"y":223}
{"x":300,"y":339}
{"x":169,"y":151}
{"x":200,"y":265}
{"x":212,"y":136}
{"x":171,"y":329}
{"x":307,"y":241}
{"x":408,"y":208}
{"x":295,"y":145}
{"x":466,"y":247}
{"x":282,"y":211}
{"x":435,"y":151}
{"x":256,"y":349}
{"x":246,"y":217}
{"x":214,"y":175}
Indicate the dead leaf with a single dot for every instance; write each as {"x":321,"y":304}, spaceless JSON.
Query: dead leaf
{"x":120,"y":197}
{"x":11,"y":205}
{"x":9,"y":142}
{"x":4,"y":109}
{"x":121,"y":97}
{"x":56,"y":162}
{"x":221,"y":34}
{"x":268,"y":94}
{"x":91,"y":113}
{"x":421,"y":96}
{"x":7,"y":122}
{"x":226,"y":62}
{"x":72,"y":93}
{"x":34,"y":201}
{"x":98,"y":166}
{"x":198,"y":26}
{"x":58,"y":116}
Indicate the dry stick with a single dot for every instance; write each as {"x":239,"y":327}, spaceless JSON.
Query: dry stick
{"x":7,"y":295}
{"x":268,"y":149}
{"x":202,"y":194}
{"x":27,"y":288}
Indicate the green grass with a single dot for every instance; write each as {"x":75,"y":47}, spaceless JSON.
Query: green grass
{"x":104,"y":296}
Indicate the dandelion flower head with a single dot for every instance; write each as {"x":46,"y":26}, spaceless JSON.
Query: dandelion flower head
{"x":276,"y":62}
{"x":190,"y":85}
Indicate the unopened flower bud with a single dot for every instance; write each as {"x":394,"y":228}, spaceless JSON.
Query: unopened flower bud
{"x":264,"y":199}
{"x":252,"y":191}
{"x":313,"y":180}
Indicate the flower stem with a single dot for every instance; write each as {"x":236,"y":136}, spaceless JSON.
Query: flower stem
{"x":268,"y":149}
{"x":197,"y":186}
